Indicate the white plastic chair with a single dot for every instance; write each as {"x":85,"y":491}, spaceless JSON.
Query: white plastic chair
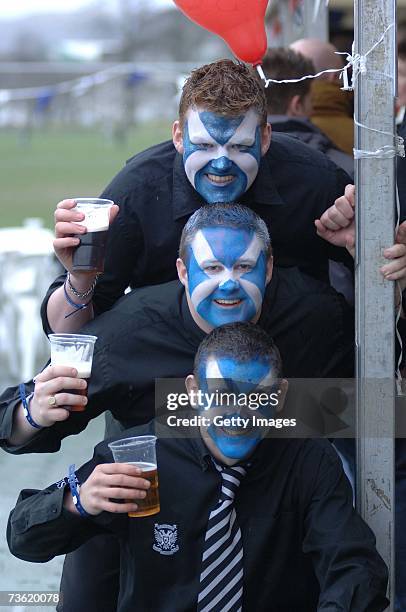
{"x":27,"y":268}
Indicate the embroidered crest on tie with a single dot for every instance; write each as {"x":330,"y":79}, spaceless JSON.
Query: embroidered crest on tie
{"x":221,"y":578}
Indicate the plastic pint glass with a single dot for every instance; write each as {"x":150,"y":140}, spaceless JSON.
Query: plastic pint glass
{"x":90,"y":254}
{"x":140,"y":451}
{"x":75,"y":351}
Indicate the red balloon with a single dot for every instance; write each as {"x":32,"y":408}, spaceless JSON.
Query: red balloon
{"x":241,"y":23}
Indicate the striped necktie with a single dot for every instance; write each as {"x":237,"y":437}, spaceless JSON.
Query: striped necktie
{"x":221,"y":578}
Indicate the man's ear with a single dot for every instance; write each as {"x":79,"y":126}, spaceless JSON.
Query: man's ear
{"x":192,"y":388}
{"x":182,"y":272}
{"x":177,"y":137}
{"x":295,"y":107}
{"x":269,"y":269}
{"x":266,"y":132}
{"x":282,"y":396}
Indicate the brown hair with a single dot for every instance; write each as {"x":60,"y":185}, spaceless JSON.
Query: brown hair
{"x":223,"y":87}
{"x":280,"y":64}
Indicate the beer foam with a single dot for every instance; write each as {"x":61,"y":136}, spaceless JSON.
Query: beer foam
{"x":84,"y":368}
{"x":96,"y":218}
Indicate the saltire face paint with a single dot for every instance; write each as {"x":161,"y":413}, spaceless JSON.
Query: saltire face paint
{"x":226,"y":274}
{"x":221,"y":154}
{"x":236,"y":435}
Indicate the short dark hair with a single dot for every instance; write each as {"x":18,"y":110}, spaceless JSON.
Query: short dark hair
{"x":224,"y":87}
{"x":402,"y":49}
{"x":223,"y":215}
{"x":280,"y":64}
{"x":242,"y":342}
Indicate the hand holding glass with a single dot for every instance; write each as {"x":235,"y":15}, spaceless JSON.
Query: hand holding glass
{"x":90,"y":254}
{"x":76,"y":351}
{"x":140,"y":451}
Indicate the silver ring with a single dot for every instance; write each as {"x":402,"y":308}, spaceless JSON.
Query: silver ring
{"x":52,"y":400}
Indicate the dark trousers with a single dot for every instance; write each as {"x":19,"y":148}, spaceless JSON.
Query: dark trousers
{"x":91,"y":577}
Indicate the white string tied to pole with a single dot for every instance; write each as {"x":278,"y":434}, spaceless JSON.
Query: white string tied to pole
{"x":267,"y":81}
{"x":385,"y":152}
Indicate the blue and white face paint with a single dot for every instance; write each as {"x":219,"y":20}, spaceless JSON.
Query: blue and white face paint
{"x":226,"y":275}
{"x":221,"y":155}
{"x":234,"y":438}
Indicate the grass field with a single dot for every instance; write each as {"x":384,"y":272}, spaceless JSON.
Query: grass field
{"x":54,"y":164}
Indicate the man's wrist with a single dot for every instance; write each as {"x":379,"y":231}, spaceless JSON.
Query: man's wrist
{"x":81,"y":283}
{"x":68,"y":502}
{"x":30,"y":419}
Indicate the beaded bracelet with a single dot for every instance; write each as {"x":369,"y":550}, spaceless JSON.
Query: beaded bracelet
{"x":26,"y":406}
{"x":77,"y":307}
{"x":74,"y":489}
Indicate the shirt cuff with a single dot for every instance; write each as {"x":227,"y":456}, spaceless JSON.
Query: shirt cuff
{"x":48,"y":507}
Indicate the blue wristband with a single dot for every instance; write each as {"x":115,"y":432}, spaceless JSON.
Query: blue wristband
{"x":26,"y":406}
{"x":77,"y":307}
{"x":74,"y":489}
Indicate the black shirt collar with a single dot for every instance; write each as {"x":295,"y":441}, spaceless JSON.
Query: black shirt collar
{"x":186,"y":199}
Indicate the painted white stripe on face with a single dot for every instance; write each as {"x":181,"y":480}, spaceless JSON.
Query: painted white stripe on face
{"x":244,"y":135}
{"x":213,"y":375}
{"x":212,"y":369}
{"x":254,"y":249}
{"x":201,"y":249}
{"x":213,"y":372}
{"x":252,"y":290}
{"x":203,"y":290}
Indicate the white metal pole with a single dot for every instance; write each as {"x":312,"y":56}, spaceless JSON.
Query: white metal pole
{"x":375,"y":193}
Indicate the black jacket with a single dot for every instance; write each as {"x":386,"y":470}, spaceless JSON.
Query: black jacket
{"x":304,"y":546}
{"x":305,"y":131}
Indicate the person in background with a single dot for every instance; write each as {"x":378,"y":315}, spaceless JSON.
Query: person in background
{"x":290,"y":106}
{"x":232,"y":503}
{"x":332,"y":107}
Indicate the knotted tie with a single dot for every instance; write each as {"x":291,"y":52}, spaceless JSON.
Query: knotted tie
{"x":221,"y":578}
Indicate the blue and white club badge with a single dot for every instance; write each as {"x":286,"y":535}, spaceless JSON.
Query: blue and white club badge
{"x":165,"y":539}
